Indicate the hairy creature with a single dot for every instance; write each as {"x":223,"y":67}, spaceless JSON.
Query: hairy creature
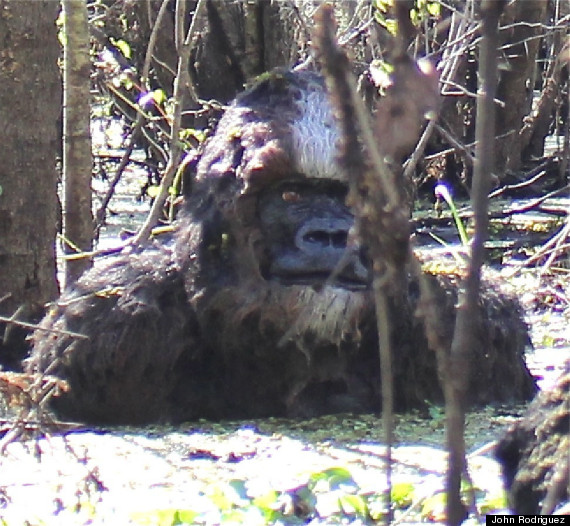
{"x":535,"y":453}
{"x":261,"y":305}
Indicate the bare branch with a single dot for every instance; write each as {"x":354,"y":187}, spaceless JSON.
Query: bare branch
{"x":181,"y":81}
{"x":455,"y":384}
{"x":137,"y":127}
{"x":378,"y":193}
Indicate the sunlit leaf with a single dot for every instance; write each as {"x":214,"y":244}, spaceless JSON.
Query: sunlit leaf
{"x":219,"y":497}
{"x":391,"y":26}
{"x":156,"y":96}
{"x":415,"y":16}
{"x":377,"y":507}
{"x":434,"y":9}
{"x":122,"y":46}
{"x":153,"y":191}
{"x":494,"y":502}
{"x":402,"y":494}
{"x":334,"y":478}
{"x":434,"y":508}
{"x":166,"y":517}
{"x":228,"y":496}
{"x":159,"y":96}
{"x":383,"y":5}
{"x":353,"y":505}
{"x":110,"y":292}
{"x":269,"y":500}
{"x":250,"y":516}
{"x":192,"y":133}
{"x":441,"y":191}
{"x":126,"y":81}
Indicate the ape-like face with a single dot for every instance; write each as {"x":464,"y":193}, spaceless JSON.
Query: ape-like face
{"x":270,"y":199}
{"x":278,"y":262}
{"x":306,"y":227}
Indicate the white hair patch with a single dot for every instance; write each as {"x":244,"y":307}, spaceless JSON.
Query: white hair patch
{"x":315,"y":137}
{"x":331,"y":314}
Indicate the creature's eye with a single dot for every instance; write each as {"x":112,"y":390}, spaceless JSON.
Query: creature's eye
{"x":290,"y":196}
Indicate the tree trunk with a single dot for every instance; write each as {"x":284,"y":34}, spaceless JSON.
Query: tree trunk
{"x":30,"y":103}
{"x":513,"y":89}
{"x":237,"y":40}
{"x":77,"y":159}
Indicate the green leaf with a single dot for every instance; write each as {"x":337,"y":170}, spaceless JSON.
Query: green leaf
{"x":159,"y":96}
{"x":250,"y":516}
{"x":153,"y":191}
{"x":126,"y":81}
{"x":166,"y":517}
{"x":218,"y":497}
{"x":191,"y":133}
{"x":442,"y":191}
{"x":494,"y":502}
{"x":434,"y":9}
{"x":391,"y":26}
{"x":402,"y":494}
{"x":353,"y":505}
{"x":434,"y":508}
{"x":377,"y":507}
{"x":229,"y":496}
{"x":156,"y":97}
{"x":383,"y":5}
{"x":333,"y":477}
{"x":415,"y":17}
{"x":122,"y":46}
{"x":436,"y":412}
{"x":267,"y":501}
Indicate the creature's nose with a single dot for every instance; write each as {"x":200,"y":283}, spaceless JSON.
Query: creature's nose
{"x":324,"y":238}
{"x":321,"y":236}
{"x":323,"y":243}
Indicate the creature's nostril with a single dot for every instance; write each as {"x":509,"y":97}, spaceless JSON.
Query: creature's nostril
{"x":323,"y":234}
{"x":339,"y":239}
{"x":336,"y":239}
{"x":317,"y":237}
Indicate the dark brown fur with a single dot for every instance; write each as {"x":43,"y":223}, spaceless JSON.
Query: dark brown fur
{"x":207,"y":328}
{"x":535,"y":453}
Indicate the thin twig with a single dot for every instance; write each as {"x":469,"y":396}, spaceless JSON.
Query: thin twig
{"x":413,"y":160}
{"x":455,"y":385}
{"x":377,"y":192}
{"x":37,"y":327}
{"x":181,"y":80}
{"x":136,"y":130}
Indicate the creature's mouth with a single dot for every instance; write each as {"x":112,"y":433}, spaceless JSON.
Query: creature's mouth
{"x":339,"y":267}
{"x":321,"y":279}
